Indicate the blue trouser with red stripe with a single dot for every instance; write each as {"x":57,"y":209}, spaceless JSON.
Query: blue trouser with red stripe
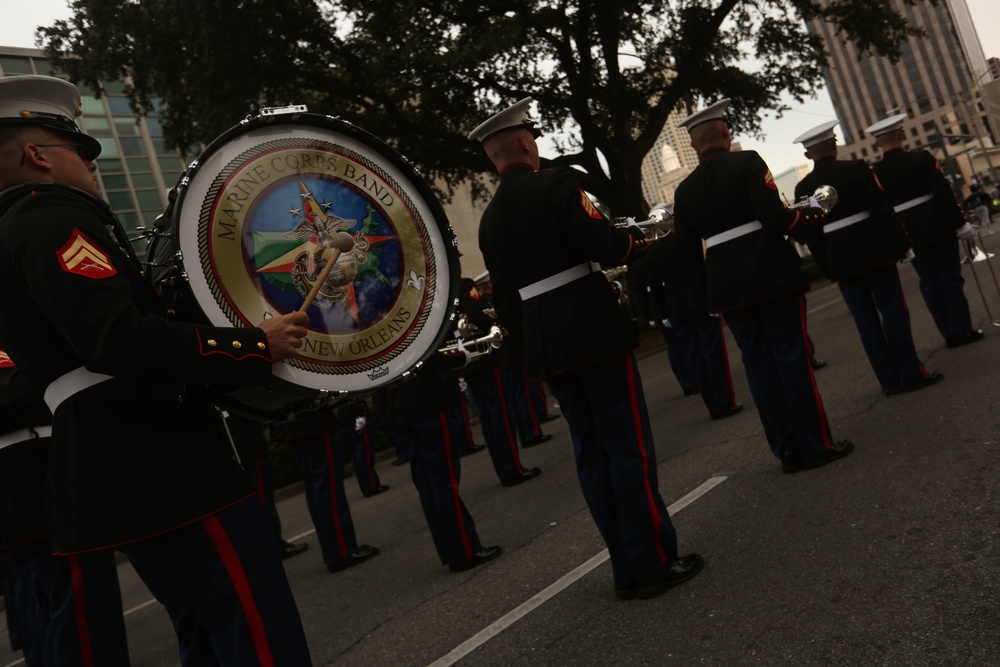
{"x":525,"y":416}
{"x":772,"y":337}
{"x":260,"y":472}
{"x":887,"y":340}
{"x":699,"y":336}
{"x":69,"y":607}
{"x":497,"y":420}
{"x":605,"y":407}
{"x":225,"y":589}
{"x":942,"y":286}
{"x":321,"y":460}
{"x":436,"y":472}
{"x":363,"y":457}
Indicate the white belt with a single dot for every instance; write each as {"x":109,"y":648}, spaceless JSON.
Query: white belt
{"x":558,"y":280}
{"x":73,"y":382}
{"x":846,"y":222}
{"x":913,"y":202}
{"x":24,"y":435}
{"x":733,"y":233}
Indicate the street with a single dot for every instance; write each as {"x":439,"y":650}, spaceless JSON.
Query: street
{"x":886,"y":557}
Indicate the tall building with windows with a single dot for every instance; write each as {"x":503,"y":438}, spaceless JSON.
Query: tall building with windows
{"x":669,"y":161}
{"x":936,"y":83}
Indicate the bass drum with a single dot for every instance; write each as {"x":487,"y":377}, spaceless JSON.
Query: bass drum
{"x":254,"y":217}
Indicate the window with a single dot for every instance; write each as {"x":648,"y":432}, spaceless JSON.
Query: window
{"x":91,"y":105}
{"x":115,"y":182}
{"x":127,"y":127}
{"x":120,"y":201}
{"x":132,"y":146}
{"x":109,"y":166}
{"x":12,"y":65}
{"x":143,"y":181}
{"x":150,"y":200}
{"x":108,"y":147}
{"x":119,"y":106}
{"x":97,"y":126}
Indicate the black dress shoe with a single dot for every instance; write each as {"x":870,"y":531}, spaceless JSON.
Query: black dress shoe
{"x":671,"y":574}
{"x":625,"y":593}
{"x":363,"y":553}
{"x":484,"y":555}
{"x":473,"y":450}
{"x":380,"y":489}
{"x":790,"y":463}
{"x":531,"y":442}
{"x":817,"y":363}
{"x":839,"y":450}
{"x":931,"y":378}
{"x":399,"y":460}
{"x":964,"y":339}
{"x":548,"y":417}
{"x":727,"y":411}
{"x":691,"y":392}
{"x":526,"y":474}
{"x":288,"y":549}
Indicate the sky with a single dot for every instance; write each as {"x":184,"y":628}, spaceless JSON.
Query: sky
{"x":17,"y":29}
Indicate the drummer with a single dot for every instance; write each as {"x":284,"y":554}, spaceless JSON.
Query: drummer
{"x":126,"y":392}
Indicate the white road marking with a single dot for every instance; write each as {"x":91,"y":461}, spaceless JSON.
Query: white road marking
{"x":564,"y":582}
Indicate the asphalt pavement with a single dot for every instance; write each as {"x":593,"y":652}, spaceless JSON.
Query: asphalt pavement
{"x":886,"y":557}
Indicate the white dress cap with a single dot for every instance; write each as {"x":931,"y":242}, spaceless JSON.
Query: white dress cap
{"x":47,"y":102}
{"x":513,"y":117}
{"x":716,"y":111}
{"x":817,"y":135}
{"x":886,"y":125}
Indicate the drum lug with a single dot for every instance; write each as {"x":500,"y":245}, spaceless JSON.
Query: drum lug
{"x":277,"y":111}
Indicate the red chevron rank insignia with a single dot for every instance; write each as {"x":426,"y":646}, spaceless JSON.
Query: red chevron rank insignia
{"x":588,"y":206}
{"x":82,"y":257}
{"x":5,"y":361}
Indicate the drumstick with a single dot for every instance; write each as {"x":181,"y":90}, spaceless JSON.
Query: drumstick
{"x":341,"y":241}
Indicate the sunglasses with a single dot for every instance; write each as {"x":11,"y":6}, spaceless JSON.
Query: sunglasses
{"x":78,"y":147}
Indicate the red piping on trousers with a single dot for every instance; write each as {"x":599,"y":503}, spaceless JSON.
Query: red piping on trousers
{"x":454,"y":487}
{"x":332,"y":472}
{"x":824,"y":427}
{"x":511,"y":440}
{"x":80,"y":609}
{"x":238,"y":577}
{"x":640,"y":437}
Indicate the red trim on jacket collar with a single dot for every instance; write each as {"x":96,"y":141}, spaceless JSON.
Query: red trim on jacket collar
{"x":517,"y":166}
{"x":711,"y":152}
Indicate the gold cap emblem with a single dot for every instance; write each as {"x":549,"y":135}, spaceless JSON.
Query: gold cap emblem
{"x":25,"y":113}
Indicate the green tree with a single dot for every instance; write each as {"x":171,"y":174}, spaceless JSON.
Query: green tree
{"x":421,"y":77}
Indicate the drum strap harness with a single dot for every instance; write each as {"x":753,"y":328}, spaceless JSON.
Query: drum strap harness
{"x":24,"y":435}
{"x":734,"y":233}
{"x":558,"y":280}
{"x":71,"y":383}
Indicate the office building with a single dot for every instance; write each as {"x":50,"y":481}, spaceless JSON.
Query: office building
{"x":936,"y":83}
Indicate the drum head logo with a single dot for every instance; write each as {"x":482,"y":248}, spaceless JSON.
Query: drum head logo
{"x":265,"y":235}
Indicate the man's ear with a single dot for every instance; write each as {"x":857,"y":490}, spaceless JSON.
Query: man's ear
{"x":36,"y":157}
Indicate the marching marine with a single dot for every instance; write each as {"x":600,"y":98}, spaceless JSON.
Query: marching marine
{"x":925,"y":203}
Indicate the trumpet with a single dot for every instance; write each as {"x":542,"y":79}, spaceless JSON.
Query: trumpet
{"x":656,"y":226}
{"x":478,"y":347}
{"x":825,"y":197}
